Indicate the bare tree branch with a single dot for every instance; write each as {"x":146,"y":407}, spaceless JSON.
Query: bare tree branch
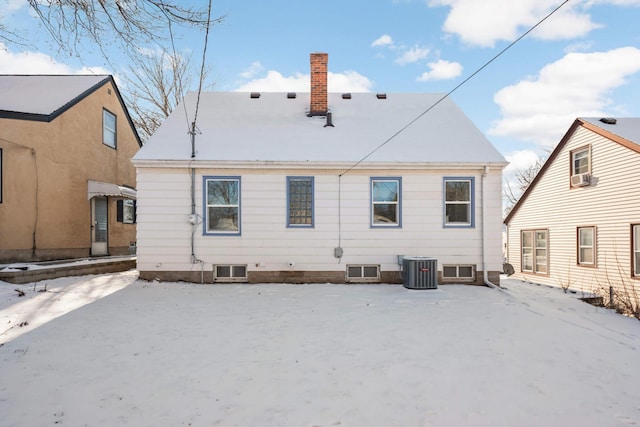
{"x":154,"y":86}
{"x":130,"y":23}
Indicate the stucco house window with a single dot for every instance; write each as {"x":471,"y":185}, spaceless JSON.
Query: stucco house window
{"x":300,"y":201}
{"x":635,"y":240}
{"x":108,"y":128}
{"x":587,"y":246}
{"x":222,"y":205}
{"x":386,"y":202}
{"x":534,"y":249}
{"x":0,"y":175}
{"x":458,"y":202}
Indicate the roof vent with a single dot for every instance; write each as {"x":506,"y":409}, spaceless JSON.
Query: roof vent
{"x":608,"y":120}
{"x":346,"y":96}
{"x":329,"y":119}
{"x":255,"y":95}
{"x":291,"y":95}
{"x":381,"y":95}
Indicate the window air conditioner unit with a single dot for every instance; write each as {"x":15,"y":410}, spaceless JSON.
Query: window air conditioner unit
{"x":580,"y":180}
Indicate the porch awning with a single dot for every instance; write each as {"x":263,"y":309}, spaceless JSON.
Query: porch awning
{"x":97,"y":188}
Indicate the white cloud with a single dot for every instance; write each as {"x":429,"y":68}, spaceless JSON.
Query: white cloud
{"x":542,"y":108}
{"x":38,"y":63}
{"x":484,"y":23}
{"x":12,"y":5}
{"x":383,"y":40}
{"x":347,"y":81}
{"x":441,"y":70}
{"x":412,"y":55}
{"x":254,"y":69}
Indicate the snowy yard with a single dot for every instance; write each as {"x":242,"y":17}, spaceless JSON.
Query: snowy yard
{"x":174,"y":354}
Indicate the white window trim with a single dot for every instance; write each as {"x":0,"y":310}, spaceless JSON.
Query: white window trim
{"x":398,"y":203}
{"x":206,"y":205}
{"x":471,"y":222}
{"x":105,"y":128}
{"x":457,"y":277}
{"x":592,"y":247}
{"x":575,"y":153}
{"x":361,"y":279}
{"x":231,"y":278}
{"x":534,"y":248}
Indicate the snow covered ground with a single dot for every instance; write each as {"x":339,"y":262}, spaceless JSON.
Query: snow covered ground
{"x":129,"y":352}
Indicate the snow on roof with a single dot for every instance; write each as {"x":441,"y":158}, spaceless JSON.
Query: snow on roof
{"x":233,"y":126}
{"x":625,"y":127}
{"x":43,"y":94}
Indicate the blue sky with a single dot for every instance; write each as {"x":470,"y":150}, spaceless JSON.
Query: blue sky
{"x":583,"y":61}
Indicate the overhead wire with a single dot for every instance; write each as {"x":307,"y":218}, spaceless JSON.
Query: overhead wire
{"x":446,"y":95}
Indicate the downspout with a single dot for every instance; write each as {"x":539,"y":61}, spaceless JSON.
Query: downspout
{"x":485,"y":272}
{"x":193,"y":217}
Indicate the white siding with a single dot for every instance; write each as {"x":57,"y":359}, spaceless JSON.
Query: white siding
{"x":266,"y":244}
{"x":611,"y":203}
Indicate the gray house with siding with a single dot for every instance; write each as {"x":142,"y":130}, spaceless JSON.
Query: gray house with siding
{"x":317,"y":187}
{"x":578,"y":223}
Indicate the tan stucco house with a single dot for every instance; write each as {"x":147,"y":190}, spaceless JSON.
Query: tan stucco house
{"x":67,"y":185}
{"x":578,"y":224}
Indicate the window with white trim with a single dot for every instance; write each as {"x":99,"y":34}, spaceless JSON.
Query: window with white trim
{"x":109,"y":128}
{"x":635,"y":244}
{"x":534,"y":251}
{"x":386,"y":202}
{"x":300,"y":201}
{"x":230,"y":273}
{"x":580,"y":161}
{"x":587,"y":246}
{"x":363,"y":273}
{"x":459,"y":272}
{"x":458,"y":202}
{"x":222,"y":205}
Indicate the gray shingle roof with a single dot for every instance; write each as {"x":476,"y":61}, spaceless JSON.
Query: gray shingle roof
{"x":234,"y":127}
{"x":625,"y":127}
{"x":43,"y":95}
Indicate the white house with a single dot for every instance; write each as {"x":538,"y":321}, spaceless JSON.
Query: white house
{"x":578,"y":223}
{"x":317,"y":187}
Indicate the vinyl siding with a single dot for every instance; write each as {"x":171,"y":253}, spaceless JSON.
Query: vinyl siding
{"x":266,"y":244}
{"x":611,"y":203}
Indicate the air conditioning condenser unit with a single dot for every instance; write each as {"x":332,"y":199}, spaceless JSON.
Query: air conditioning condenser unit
{"x":420,"y":273}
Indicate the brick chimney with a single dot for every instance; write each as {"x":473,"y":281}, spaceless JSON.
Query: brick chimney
{"x":318,"y":105}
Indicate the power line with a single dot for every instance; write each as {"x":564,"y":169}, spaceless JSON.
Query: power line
{"x":204,"y":54}
{"x":446,"y":95}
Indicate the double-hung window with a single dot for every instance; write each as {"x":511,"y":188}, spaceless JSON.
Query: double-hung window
{"x":635,"y":248}
{"x":300,"y":201}
{"x":534,"y":250}
{"x":587,"y":246}
{"x":459,"y":202}
{"x":222,"y":205}
{"x":581,"y":167}
{"x":108,"y":128}
{"x":386,"y":202}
